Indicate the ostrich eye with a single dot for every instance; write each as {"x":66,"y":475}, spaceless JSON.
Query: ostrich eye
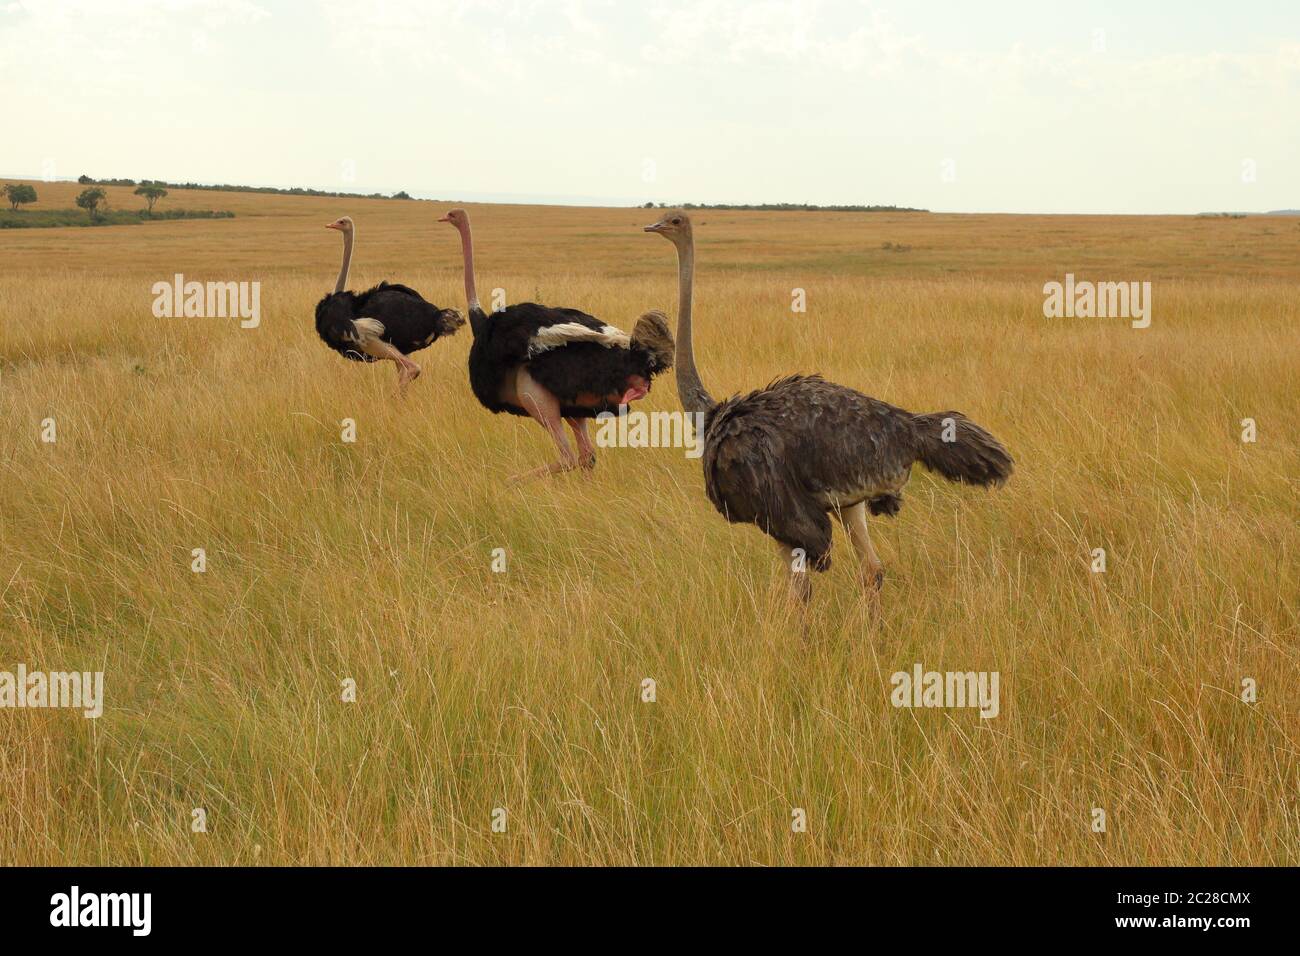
{"x":677,"y":222}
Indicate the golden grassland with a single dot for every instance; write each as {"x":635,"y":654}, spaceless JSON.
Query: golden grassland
{"x":521,"y":690}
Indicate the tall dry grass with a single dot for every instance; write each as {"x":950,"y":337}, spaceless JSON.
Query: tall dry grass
{"x":521,"y":690}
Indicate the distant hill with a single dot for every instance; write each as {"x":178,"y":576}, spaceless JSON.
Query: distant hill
{"x":1242,"y":215}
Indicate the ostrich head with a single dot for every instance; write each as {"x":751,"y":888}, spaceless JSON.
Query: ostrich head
{"x":675,"y":226}
{"x":343,"y":224}
{"x":457,"y":217}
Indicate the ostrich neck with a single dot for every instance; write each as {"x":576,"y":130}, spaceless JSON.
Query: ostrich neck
{"x":347,"y":262}
{"x":690,"y":389}
{"x":467,"y":246}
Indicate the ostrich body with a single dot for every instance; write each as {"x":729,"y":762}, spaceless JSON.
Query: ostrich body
{"x":557,"y":365}
{"x":387,"y":322}
{"x":788,"y":456}
{"x":586,"y":375}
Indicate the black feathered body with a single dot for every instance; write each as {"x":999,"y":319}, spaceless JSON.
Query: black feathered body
{"x":582,"y":375}
{"x":410,"y":323}
{"x":785,"y":457}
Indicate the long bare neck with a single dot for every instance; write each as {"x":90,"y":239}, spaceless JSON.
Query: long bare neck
{"x":467,"y":247}
{"x":347,"y":261}
{"x":690,"y":389}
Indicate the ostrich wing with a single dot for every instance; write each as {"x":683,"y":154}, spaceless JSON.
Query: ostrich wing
{"x":566,"y":333}
{"x":849,"y":446}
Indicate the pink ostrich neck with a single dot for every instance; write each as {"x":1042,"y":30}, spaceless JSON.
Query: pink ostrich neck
{"x":467,"y":245}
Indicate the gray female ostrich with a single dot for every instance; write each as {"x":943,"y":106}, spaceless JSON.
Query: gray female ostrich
{"x":786,"y":456}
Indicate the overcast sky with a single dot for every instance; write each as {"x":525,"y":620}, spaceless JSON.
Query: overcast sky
{"x":998,"y":106}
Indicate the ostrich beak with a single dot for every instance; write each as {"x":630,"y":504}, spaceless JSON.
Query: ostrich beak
{"x":444,"y":218}
{"x":333,"y":225}
{"x":657,"y":227}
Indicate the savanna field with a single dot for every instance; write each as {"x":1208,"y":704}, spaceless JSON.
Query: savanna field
{"x":475,"y":690}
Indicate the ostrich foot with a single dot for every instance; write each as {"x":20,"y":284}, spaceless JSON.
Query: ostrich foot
{"x":406,"y":374}
{"x":796,"y":570}
{"x":791,"y":592}
{"x":586,"y":450}
{"x":873,"y":580}
{"x":554,"y":468}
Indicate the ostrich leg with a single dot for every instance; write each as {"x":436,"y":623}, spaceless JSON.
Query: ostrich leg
{"x":855,"y":523}
{"x":407,"y":371}
{"x":545,"y":410}
{"x":800,"y":585}
{"x":586,"y":452}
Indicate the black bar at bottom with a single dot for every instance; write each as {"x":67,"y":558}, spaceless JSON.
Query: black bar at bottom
{"x":334,"y":906}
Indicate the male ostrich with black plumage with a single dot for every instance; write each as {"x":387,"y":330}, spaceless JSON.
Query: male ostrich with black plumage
{"x":557,"y":365}
{"x":785,"y":457}
{"x":388,"y":321}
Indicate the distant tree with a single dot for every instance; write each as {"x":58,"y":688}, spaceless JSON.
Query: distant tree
{"x":402,"y":195}
{"x":90,"y":199}
{"x":151,"y":195}
{"x":19,"y":193}
{"x":85,"y":180}
{"x":648,"y":205}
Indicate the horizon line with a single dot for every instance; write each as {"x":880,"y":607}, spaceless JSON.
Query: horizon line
{"x":611,"y":202}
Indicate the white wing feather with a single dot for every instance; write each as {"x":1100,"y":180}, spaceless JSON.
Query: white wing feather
{"x":563,"y":333}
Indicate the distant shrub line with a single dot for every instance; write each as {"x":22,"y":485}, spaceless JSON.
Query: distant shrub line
{"x":228,"y":188}
{"x":50,"y":218}
{"x":784,"y":207}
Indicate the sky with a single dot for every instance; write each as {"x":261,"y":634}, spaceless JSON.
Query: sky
{"x":997,"y":106}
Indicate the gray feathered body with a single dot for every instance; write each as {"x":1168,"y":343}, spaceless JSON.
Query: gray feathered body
{"x":786,"y":456}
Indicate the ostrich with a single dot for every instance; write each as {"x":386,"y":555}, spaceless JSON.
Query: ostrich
{"x":785,"y":457}
{"x":557,"y":365}
{"x":386,"y":322}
